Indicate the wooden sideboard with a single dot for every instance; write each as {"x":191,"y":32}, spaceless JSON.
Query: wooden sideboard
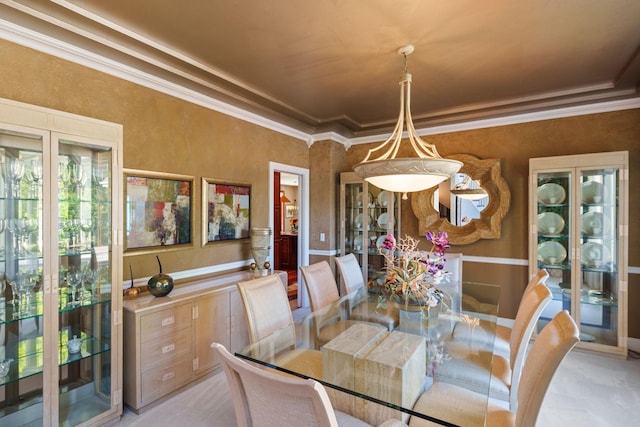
{"x":167,"y":339}
{"x":289,"y":252}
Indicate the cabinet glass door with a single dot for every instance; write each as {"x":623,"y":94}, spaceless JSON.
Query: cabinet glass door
{"x":21,"y":273}
{"x":554,"y":246}
{"x":579,"y":217}
{"x":383,"y":212}
{"x":354,"y":221}
{"x":84,"y":247}
{"x":598,"y":253}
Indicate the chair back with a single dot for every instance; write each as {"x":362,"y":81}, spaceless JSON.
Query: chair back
{"x":526,"y":319}
{"x":267,"y":309}
{"x":350,"y":272}
{"x":321,"y":285}
{"x":453,"y":264}
{"x":551,"y":346}
{"x":263,"y":398}
{"x":540,"y":277}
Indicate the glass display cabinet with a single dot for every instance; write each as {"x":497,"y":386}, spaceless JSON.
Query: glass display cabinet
{"x":60,"y":268}
{"x":367,"y":215}
{"x":578,"y":216}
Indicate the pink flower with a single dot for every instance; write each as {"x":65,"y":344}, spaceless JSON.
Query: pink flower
{"x":389,"y":243}
{"x":439,"y":240}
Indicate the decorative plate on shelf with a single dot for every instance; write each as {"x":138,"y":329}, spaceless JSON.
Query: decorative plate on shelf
{"x":552,"y":253}
{"x":380,"y":241}
{"x":359,"y":199}
{"x":551,"y":194}
{"x":595,"y":255}
{"x":383,"y":198}
{"x":550,"y":223}
{"x":594,"y":223}
{"x":592,"y":192}
{"x":382,"y":220}
{"x":359,"y":221}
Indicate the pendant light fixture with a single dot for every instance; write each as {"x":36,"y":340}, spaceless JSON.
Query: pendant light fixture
{"x":405,"y":174}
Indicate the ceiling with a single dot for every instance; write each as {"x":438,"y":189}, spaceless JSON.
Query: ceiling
{"x":331,"y":65}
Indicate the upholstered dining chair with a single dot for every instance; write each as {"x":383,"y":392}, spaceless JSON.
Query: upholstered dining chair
{"x":262,"y":398}
{"x":330,"y":313}
{"x":464,"y":407}
{"x":504,"y":378}
{"x":370,"y":311}
{"x":503,"y":333}
{"x":267,"y":311}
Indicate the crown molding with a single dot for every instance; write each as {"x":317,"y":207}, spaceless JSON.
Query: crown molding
{"x":43,"y":43}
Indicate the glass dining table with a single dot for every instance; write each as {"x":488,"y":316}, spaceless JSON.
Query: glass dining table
{"x":374,"y":369}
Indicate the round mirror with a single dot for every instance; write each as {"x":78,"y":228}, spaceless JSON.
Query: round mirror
{"x":469,"y":206}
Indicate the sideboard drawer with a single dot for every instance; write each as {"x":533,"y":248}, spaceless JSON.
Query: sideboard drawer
{"x":166,"y":349}
{"x":159,"y":382}
{"x":155,"y":325}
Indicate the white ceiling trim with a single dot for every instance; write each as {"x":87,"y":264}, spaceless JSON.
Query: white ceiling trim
{"x":51,"y":46}
{"x":57,"y":48}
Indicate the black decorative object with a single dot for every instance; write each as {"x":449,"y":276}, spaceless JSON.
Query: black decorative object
{"x":161,"y":284}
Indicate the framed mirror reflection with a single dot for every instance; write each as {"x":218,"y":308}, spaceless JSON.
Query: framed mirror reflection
{"x":469,"y":206}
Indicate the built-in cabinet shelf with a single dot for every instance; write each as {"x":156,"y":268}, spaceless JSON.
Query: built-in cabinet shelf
{"x":167,"y":340}
{"x":60,"y":268}
{"x":579,"y":220}
{"x":367,"y":215}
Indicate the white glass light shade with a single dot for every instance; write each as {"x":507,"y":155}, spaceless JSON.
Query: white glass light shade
{"x":407,"y":174}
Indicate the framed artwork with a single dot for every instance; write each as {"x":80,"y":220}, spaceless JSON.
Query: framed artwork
{"x":290,"y":210}
{"x":158,"y":210}
{"x":225,"y":211}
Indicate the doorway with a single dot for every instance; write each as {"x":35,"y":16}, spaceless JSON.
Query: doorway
{"x":285,"y":230}
{"x":289,"y":215}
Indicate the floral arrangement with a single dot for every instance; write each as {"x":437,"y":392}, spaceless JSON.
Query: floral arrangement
{"x":412,"y":276}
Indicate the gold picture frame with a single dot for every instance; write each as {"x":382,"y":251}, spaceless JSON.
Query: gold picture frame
{"x":158,"y":211}
{"x":226,"y":211}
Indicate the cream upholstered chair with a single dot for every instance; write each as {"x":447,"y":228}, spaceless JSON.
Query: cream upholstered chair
{"x":262,"y":398}
{"x":503,"y":379}
{"x":463,"y":407}
{"x":503,"y":333}
{"x":330,"y":313}
{"x":267,"y":311}
{"x":540,"y":277}
{"x":352,"y":280}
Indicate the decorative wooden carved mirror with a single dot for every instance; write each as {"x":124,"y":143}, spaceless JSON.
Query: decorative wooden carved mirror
{"x":470,"y":206}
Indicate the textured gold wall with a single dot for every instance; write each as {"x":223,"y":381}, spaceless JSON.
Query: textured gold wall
{"x":162,"y":133}
{"x":514,"y":145}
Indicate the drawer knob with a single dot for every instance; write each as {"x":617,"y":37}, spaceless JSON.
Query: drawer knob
{"x":168,"y":376}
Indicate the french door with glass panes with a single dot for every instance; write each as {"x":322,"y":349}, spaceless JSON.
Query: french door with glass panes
{"x":579,"y":233}
{"x":60,"y":268}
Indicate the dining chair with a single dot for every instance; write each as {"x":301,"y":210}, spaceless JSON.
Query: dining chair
{"x":503,"y":333}
{"x":464,"y":407}
{"x":263,"y":398}
{"x":502,"y":377}
{"x":452,"y":286}
{"x":330,"y":313}
{"x":267,"y":311}
{"x":371,"y":311}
